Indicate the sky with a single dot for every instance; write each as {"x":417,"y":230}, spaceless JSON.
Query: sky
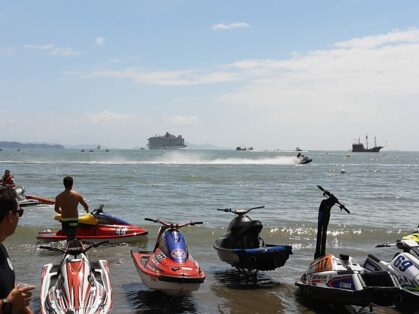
{"x":268,"y":74}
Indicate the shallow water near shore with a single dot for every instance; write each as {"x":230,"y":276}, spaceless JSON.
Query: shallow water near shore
{"x":380,"y":190}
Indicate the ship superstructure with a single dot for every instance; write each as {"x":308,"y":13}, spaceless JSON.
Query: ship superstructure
{"x":167,"y":141}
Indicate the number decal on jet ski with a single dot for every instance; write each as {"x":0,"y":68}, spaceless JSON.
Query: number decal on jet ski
{"x":324,"y":264}
{"x":120,"y":231}
{"x":402,"y":264}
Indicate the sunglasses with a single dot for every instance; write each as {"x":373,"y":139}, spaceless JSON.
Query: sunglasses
{"x":20,"y":211}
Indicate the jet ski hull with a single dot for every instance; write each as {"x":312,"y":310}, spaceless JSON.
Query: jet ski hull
{"x":98,"y":233}
{"x":159,"y":273}
{"x":267,"y":257}
{"x":305,"y":160}
{"x":368,"y":296}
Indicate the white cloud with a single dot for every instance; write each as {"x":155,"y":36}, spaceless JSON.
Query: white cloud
{"x":222,"y":26}
{"x":54,"y":50}
{"x":392,"y":38}
{"x":182,"y":120}
{"x":168,"y":78}
{"x":100,"y":40}
{"x":106,"y":117}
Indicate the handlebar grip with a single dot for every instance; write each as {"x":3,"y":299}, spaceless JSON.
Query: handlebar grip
{"x":150,"y":219}
{"x":45,"y":247}
{"x":224,"y":209}
{"x":196,"y":223}
{"x":258,"y":207}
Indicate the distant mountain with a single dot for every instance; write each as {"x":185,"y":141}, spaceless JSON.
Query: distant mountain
{"x":17,"y":145}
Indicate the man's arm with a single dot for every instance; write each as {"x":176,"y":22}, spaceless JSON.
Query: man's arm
{"x":57,"y":206}
{"x":84,"y":204}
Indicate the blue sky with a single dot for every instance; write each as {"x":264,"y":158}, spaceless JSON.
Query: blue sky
{"x":267,"y":74}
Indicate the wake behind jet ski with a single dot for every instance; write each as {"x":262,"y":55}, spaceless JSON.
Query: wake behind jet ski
{"x":98,"y":226}
{"x":170,"y":267}
{"x":76,"y":285}
{"x":243,"y":248}
{"x":341,"y":280}
{"x":405,"y":266}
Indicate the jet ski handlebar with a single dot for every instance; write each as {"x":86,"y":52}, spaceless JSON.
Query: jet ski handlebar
{"x":238,"y":211}
{"x":69,"y":250}
{"x":173,"y":225}
{"x":334,"y":198}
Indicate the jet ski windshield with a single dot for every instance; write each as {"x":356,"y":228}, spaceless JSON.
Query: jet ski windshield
{"x":173,"y":244}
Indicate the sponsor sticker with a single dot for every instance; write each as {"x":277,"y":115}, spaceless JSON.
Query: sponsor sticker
{"x":178,"y":253}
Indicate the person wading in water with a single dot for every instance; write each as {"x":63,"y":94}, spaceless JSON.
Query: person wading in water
{"x":66,"y":204}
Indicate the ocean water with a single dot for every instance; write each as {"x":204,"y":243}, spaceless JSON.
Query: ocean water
{"x":381,"y":191}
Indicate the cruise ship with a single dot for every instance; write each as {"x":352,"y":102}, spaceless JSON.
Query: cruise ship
{"x":167,"y":141}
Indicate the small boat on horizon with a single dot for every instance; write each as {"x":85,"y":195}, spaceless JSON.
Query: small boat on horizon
{"x":244,"y":148}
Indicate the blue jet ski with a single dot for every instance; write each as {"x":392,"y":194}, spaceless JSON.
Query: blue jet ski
{"x":243,"y":248}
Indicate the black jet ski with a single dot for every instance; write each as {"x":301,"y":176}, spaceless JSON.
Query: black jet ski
{"x":341,"y":280}
{"x":243,"y":248}
{"x":303,"y":159}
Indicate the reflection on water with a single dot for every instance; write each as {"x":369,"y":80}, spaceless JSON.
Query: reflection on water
{"x":151,"y":301}
{"x":236,"y":280}
{"x":238,"y":291}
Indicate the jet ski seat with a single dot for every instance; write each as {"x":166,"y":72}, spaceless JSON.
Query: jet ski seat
{"x":86,"y":219}
{"x":246,"y":234}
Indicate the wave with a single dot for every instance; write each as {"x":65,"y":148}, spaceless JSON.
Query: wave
{"x":174,"y":159}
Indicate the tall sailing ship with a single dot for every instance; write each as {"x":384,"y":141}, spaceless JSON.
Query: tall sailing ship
{"x":167,"y":141}
{"x":360,"y":148}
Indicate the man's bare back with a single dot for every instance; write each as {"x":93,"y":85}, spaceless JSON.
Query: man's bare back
{"x":66,"y":203}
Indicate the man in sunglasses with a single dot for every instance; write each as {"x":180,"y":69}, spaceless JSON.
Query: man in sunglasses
{"x":13,"y":299}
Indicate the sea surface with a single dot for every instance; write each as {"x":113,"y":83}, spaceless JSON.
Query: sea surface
{"x":381,"y":191}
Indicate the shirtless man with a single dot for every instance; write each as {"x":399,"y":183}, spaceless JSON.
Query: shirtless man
{"x":66,"y":204}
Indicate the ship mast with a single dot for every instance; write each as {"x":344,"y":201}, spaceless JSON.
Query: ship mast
{"x":366,"y":140}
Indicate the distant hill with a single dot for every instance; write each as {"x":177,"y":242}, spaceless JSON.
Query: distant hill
{"x":17,"y":145}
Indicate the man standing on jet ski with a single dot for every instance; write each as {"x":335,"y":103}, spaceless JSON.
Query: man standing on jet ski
{"x":66,"y":204}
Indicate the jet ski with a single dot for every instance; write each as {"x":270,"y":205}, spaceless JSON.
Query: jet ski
{"x":98,"y":226}
{"x":342,"y":280}
{"x":30,"y":200}
{"x":170,"y":267}
{"x":76,"y":285}
{"x":405,"y":266}
{"x":413,"y":236}
{"x":243,"y":248}
{"x":303,"y":159}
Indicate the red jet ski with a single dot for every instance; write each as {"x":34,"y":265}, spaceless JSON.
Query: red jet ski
{"x":98,"y":226}
{"x":169,"y":268}
{"x":76,"y":284}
